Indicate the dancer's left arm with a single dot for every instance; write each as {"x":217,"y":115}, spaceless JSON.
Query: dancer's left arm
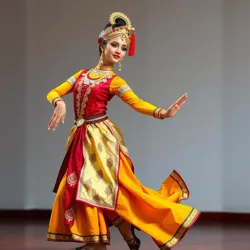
{"x":120,"y":88}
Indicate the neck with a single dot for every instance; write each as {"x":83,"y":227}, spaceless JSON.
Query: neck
{"x":105,"y":66}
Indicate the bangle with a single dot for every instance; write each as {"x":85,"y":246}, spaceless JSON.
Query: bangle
{"x":157,"y":113}
{"x":56,"y":101}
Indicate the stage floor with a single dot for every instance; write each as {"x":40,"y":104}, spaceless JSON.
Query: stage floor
{"x":31,"y":235}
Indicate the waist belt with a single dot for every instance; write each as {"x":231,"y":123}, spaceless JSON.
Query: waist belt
{"x":91,"y":119}
{"x":79,"y":122}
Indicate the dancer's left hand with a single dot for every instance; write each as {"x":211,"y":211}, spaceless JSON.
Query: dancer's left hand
{"x":174,"y":108}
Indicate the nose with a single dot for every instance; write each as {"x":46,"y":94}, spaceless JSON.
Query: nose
{"x":118,"y":51}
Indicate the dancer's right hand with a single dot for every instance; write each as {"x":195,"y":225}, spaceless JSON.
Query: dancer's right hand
{"x":58,"y":116}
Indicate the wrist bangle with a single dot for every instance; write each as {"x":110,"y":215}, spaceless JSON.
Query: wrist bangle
{"x":157,"y":113}
{"x":56,"y":101}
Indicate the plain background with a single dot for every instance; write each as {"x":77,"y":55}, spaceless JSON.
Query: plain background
{"x":196,"y":46}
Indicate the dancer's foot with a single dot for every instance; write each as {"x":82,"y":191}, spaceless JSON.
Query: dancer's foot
{"x":134,"y":243}
{"x":127,"y":232}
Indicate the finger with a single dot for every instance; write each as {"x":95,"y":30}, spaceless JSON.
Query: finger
{"x":177,"y":106}
{"x":51,"y":120}
{"x":182,"y":98}
{"x":57,"y":121}
{"x":55,"y":118}
{"x":172,"y":113}
{"x":182,"y":103}
{"x":63,"y":119}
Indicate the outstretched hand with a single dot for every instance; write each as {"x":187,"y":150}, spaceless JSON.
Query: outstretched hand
{"x":58,"y":116}
{"x":174,"y":108}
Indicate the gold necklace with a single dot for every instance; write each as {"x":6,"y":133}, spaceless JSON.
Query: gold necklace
{"x":102,"y":70}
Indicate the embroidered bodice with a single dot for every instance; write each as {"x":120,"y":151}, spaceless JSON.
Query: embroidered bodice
{"x":92,"y":93}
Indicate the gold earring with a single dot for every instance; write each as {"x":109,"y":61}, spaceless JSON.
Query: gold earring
{"x":120,"y":66}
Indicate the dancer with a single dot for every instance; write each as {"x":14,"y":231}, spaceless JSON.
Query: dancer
{"x":96,"y":186}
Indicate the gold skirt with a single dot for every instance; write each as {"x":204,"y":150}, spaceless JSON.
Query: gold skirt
{"x":108,"y":183}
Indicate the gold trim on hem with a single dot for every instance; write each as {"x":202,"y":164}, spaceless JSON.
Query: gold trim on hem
{"x":103,"y":238}
{"x":183,"y":186}
{"x":189,"y":221}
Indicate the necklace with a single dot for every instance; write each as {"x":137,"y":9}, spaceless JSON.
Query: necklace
{"x":102,"y":71}
{"x":103,"y":75}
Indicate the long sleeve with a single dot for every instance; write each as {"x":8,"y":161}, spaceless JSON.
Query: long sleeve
{"x":63,"y":89}
{"x":120,"y":88}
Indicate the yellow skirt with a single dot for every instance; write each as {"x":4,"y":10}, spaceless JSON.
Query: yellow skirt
{"x":157,"y":213}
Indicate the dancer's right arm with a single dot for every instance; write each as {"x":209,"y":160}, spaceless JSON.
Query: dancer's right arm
{"x":55,"y":95}
{"x":63,"y":89}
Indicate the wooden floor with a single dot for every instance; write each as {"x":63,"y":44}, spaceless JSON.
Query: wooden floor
{"x":32,"y":236}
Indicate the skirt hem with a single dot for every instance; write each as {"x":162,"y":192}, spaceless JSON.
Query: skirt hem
{"x":105,"y":239}
{"x":183,"y":229}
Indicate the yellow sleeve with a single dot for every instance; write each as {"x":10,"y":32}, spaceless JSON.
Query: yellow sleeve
{"x":120,"y":88}
{"x":63,"y":89}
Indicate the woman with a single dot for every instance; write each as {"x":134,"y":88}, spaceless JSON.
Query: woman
{"x":96,"y":186}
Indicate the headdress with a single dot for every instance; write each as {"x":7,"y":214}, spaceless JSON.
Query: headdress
{"x":127,"y":31}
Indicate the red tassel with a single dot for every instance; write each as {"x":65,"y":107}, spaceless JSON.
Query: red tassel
{"x":132,"y":45}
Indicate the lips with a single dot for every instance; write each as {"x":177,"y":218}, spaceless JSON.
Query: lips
{"x":116,"y":56}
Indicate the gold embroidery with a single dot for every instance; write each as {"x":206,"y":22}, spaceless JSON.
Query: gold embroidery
{"x":104,"y":169}
{"x":71,"y":80}
{"x":122,"y":90}
{"x":92,"y":158}
{"x":106,"y":137}
{"x":118,"y":135}
{"x":181,"y":231}
{"x":78,"y":99}
{"x":99,"y":174}
{"x":72,"y":179}
{"x":91,"y":83}
{"x":99,"y":147}
{"x":110,"y":162}
{"x":108,"y":191}
{"x":88,"y":184}
{"x":85,"y":239}
{"x":93,"y":192}
{"x":84,"y":102}
{"x":69,"y":214}
{"x":96,"y":198}
{"x":182,"y":185}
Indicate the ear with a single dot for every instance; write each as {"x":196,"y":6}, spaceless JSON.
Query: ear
{"x":103,"y":46}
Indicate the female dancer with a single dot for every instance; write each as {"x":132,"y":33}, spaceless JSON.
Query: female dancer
{"x":96,"y":186}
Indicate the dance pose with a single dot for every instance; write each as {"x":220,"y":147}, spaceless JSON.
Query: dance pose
{"x":96,"y":186}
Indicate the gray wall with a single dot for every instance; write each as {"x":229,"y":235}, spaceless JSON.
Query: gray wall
{"x":236,"y":100}
{"x":196,"y":46}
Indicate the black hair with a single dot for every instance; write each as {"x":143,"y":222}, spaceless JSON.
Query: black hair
{"x":118,"y":22}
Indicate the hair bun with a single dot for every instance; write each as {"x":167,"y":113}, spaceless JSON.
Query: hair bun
{"x":119,"y":21}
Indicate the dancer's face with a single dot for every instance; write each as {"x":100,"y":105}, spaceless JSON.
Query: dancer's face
{"x":115,"y":50}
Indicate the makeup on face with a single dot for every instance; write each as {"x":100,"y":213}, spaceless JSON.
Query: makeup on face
{"x":115,"y":50}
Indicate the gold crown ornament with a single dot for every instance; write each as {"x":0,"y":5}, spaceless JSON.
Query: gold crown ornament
{"x":127,"y":31}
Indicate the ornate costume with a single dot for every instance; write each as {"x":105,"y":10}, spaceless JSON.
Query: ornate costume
{"x":96,"y":186}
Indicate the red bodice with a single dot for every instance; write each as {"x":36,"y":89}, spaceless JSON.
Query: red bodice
{"x":91,"y":99}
